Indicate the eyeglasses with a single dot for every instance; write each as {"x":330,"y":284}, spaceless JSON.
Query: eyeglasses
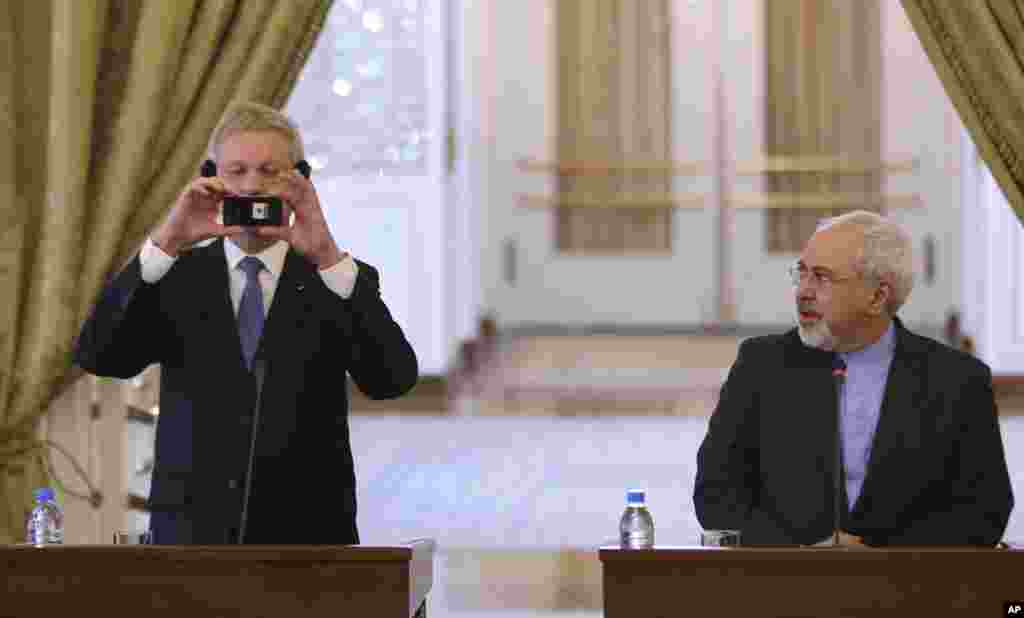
{"x":821,"y":279}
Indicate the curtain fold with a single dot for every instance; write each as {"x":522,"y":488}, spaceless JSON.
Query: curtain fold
{"x":109,"y":105}
{"x":977,"y":49}
{"x":24,"y":91}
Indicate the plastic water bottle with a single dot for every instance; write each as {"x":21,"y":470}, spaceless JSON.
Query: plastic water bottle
{"x":46,"y":521}
{"x":636,"y":528}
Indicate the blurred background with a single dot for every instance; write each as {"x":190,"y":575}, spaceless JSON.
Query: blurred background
{"x":579,"y":209}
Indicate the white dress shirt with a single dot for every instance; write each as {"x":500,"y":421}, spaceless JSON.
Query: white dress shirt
{"x":340,"y":278}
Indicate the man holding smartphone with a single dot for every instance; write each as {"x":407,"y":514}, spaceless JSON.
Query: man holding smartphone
{"x":254,"y":334}
{"x":252,"y":162}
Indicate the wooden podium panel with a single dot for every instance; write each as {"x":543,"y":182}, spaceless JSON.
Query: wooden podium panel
{"x":297,"y":581}
{"x":810,"y":582}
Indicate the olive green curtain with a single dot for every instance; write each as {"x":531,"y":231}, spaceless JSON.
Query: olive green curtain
{"x":977,"y":49}
{"x":107,"y":107}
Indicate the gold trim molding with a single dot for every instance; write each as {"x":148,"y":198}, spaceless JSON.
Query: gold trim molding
{"x":745,"y":201}
{"x":822,"y":201}
{"x":823,"y":165}
{"x":650,"y":201}
{"x":610,"y":168}
{"x":765,"y":165}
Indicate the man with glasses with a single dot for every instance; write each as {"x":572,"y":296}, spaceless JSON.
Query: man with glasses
{"x":919,"y":452}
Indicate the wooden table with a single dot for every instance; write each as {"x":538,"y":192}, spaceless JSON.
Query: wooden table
{"x":811,"y":582}
{"x":216,"y":581}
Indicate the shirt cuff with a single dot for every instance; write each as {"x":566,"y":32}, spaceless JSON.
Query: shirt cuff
{"x":154,"y":262}
{"x":341,"y":278}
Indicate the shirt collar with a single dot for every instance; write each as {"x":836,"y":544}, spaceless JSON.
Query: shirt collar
{"x":881,"y":350}
{"x":272,"y":257}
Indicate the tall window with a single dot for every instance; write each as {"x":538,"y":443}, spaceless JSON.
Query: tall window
{"x":362,"y":99}
{"x":370,"y":105}
{"x":992,"y":292}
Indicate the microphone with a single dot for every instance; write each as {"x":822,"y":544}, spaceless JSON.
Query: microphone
{"x":839,"y":378}
{"x":257,"y":372}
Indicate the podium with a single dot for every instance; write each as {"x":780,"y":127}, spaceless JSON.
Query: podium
{"x":809,"y":582}
{"x":296,"y":581}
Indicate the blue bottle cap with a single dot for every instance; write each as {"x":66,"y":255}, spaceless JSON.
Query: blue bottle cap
{"x":43,"y":494}
{"x":635,"y":496}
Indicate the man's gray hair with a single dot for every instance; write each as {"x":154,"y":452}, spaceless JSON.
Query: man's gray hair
{"x":250,"y":116}
{"x":887,"y":253}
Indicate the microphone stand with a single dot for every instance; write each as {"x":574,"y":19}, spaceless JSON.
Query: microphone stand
{"x":839,"y":377}
{"x":257,"y":371}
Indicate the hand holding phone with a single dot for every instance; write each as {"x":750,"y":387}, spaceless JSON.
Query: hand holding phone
{"x":253,"y":210}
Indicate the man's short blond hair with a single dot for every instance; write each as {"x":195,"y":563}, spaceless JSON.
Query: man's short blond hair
{"x":251,"y":116}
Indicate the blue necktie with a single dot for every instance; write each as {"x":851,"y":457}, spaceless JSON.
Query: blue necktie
{"x":250,"y":310}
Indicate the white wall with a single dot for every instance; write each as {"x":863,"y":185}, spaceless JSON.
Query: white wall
{"x":921,"y":122}
{"x":513,"y":77}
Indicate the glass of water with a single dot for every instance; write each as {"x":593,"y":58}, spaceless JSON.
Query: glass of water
{"x":133,"y":538}
{"x":720,"y":538}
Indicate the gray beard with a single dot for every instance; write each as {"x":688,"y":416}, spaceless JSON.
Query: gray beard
{"x":819,"y":336}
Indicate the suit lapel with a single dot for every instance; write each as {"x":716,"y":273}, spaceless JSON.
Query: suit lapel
{"x":806,"y":375}
{"x":217,"y":312}
{"x":899,"y":424}
{"x":815,"y":382}
{"x":291,"y":305}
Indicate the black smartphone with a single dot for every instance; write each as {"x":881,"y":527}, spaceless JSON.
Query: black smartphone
{"x":253,"y":210}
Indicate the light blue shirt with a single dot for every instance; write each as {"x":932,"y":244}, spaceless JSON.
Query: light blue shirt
{"x":866,"y":373}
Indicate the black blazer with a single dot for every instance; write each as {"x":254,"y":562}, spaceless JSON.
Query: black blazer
{"x":936,"y":473}
{"x":303,"y":482}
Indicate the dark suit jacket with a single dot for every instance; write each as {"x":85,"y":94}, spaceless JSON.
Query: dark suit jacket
{"x":936,"y":473}
{"x":303,"y":483}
